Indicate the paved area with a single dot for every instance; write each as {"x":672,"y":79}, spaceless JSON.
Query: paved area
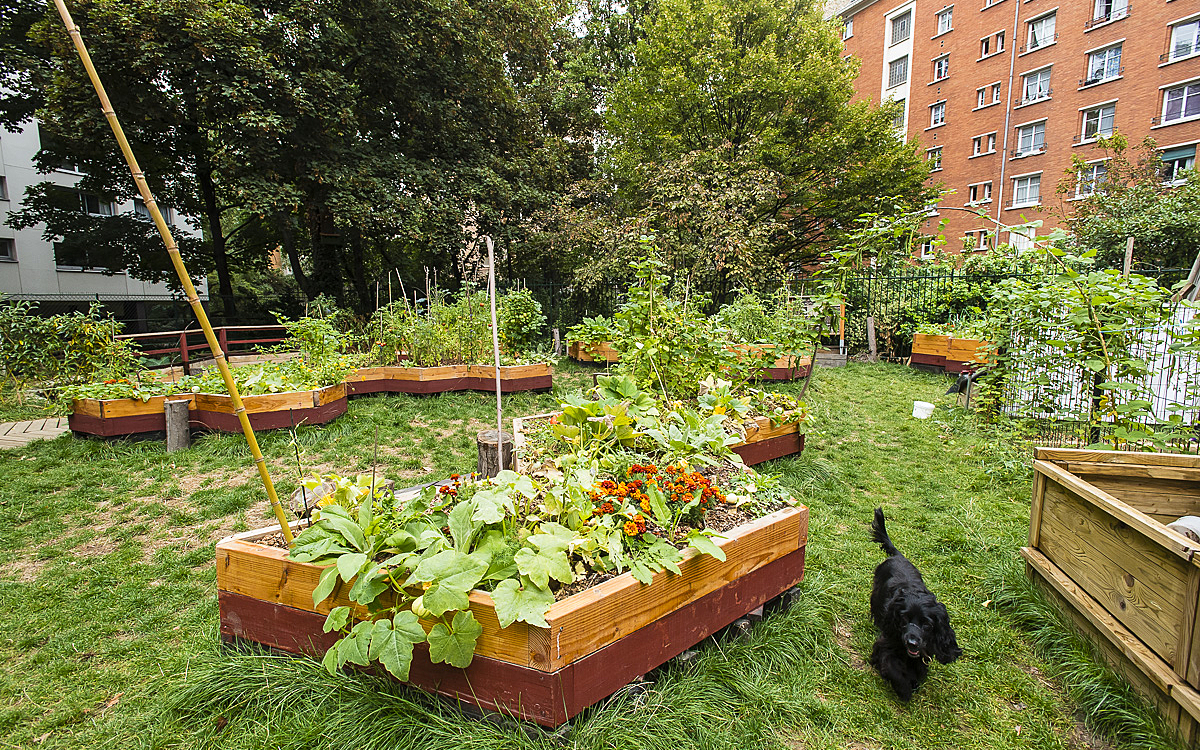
{"x":16,"y":434}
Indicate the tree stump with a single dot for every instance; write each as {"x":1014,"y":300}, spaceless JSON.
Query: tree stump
{"x":178,"y":436}
{"x":492,"y":446}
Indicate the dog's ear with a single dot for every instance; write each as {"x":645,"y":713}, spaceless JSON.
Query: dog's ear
{"x":895,"y":613}
{"x":945,"y":645}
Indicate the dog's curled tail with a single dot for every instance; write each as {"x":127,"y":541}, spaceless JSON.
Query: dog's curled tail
{"x":880,"y":536}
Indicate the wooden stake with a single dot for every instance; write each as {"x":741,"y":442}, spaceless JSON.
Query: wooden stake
{"x":1128,"y":257}
{"x":185,"y":280}
{"x":871,"y":339}
{"x":178,"y":436}
{"x":495,"y":343}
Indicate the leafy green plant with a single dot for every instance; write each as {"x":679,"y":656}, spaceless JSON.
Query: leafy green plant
{"x":68,"y":348}
{"x":521,"y":320}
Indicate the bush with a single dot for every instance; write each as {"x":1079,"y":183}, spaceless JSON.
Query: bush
{"x":67,"y":348}
{"x":521,"y":320}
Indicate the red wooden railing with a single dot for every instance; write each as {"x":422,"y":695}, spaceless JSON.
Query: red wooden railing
{"x":186,"y":343}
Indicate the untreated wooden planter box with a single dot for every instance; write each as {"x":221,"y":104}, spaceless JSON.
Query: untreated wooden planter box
{"x":598,"y":639}
{"x":783,"y":367}
{"x":965,"y":355}
{"x":599,"y":351}
{"x":1099,"y":544}
{"x":211,"y":411}
{"x":929,"y":351}
{"x":448,"y":378}
{"x":763,"y":441}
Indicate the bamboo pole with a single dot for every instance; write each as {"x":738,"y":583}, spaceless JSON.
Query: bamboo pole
{"x":496,"y":351}
{"x":180,"y":270}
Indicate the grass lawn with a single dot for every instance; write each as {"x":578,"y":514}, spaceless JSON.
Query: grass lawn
{"x":109,"y":633}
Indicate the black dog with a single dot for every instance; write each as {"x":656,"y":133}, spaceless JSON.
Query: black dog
{"x":914,"y":626}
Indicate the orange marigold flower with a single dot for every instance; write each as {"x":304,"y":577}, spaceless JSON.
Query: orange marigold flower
{"x":631,"y":528}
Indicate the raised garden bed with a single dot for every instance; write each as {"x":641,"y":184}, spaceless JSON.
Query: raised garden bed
{"x":130,"y":416}
{"x":763,"y":442}
{"x":426,"y":380}
{"x":1100,"y":546}
{"x":965,"y":355}
{"x":597,"y":351}
{"x":599,"y":639}
{"x":784,"y":367}
{"x":929,"y":352}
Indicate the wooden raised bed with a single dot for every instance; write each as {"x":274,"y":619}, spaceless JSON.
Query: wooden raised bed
{"x":425,"y":380}
{"x":965,"y":355}
{"x":130,"y":416}
{"x":1099,"y":545}
{"x":929,"y":351}
{"x":783,"y":367}
{"x":598,"y":640}
{"x":763,"y":442}
{"x":599,"y":351}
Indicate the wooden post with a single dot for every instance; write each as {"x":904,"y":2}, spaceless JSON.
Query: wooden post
{"x":1128,"y":257}
{"x":494,"y":452}
{"x":178,"y":436}
{"x":871,"y":339}
{"x":183,"y":351}
{"x":557,"y":343}
{"x":842,"y":329}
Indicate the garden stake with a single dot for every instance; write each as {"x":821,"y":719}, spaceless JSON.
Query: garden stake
{"x":299,"y":466}
{"x":189,"y":289}
{"x":496,"y":350}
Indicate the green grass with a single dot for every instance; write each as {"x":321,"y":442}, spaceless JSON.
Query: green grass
{"x":110,"y":627}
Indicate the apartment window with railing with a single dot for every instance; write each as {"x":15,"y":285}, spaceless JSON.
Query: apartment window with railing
{"x":1177,"y":162}
{"x":1103,"y":65}
{"x":1099,"y":121}
{"x":1181,"y":102}
{"x":945,"y":20}
{"x":1027,"y":190}
{"x":937,"y":114}
{"x":1035,"y":86}
{"x":1108,"y":10}
{"x":1185,"y":40}
{"x":1031,"y":138}
{"x":934,"y":157}
{"x":95,"y":205}
{"x":941,"y":67}
{"x":898,"y":72}
{"x":902,"y":27}
{"x":1041,"y":32}
{"x":1088,"y":177}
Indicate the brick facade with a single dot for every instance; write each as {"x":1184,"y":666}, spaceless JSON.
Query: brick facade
{"x":1056,"y":66}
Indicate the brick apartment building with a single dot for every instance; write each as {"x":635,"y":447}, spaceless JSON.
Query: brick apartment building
{"x":1000,"y":94}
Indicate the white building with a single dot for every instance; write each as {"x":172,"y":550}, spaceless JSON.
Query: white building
{"x":29,"y":269}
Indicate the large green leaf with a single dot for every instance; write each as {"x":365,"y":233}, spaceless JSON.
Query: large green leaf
{"x":369,"y":585}
{"x":392,"y":643}
{"x":462,"y":525}
{"x":335,"y":518}
{"x":452,"y":575}
{"x":705,"y":544}
{"x":351,"y":565}
{"x":336,"y":619}
{"x":455,"y":644}
{"x":543,"y":564}
{"x":325,"y":584}
{"x":491,"y":504}
{"x":523,"y":601}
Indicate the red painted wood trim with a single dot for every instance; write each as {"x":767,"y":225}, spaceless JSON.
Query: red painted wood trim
{"x":548,"y":698}
{"x":765,"y":450}
{"x":117,"y":426}
{"x":928,"y":359}
{"x":785,"y":373}
{"x":267,"y":420}
{"x":449,"y":385}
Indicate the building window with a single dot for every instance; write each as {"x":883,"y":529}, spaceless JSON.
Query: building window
{"x":1088,"y":177}
{"x":934,"y":157}
{"x":985,"y":46}
{"x":898,"y":72}
{"x":981,"y":97}
{"x":927,"y":246}
{"x":1027,"y":190}
{"x":983,"y":144}
{"x":1021,"y":239}
{"x":898,"y":118}
{"x":980,"y":239}
{"x":902,"y":27}
{"x":999,"y":41}
{"x":848,"y":29}
{"x":3,"y":188}
{"x":1181,"y":102}
{"x":995,"y":93}
{"x":1035,"y":86}
{"x":1099,"y":121}
{"x":1110,"y":10}
{"x":1185,"y":40}
{"x":937,"y":114}
{"x":945,"y":20}
{"x":1177,"y":161}
{"x":1103,"y":65}
{"x":1031,"y":139}
{"x":95,"y":205}
{"x":941,"y":68}
{"x":1041,"y":32}
{"x":979,"y":193}
{"x":74,"y":257}
{"x":8,"y":249}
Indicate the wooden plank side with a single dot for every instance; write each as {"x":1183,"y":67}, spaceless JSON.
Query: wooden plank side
{"x":88,"y":407}
{"x":762,"y":429}
{"x":1185,"y":663}
{"x":1119,"y":510}
{"x":329,"y":394}
{"x":1129,"y":471}
{"x":265,"y":573}
{"x":131,"y":407}
{"x":1162,"y":497}
{"x":1035,"y":508}
{"x":929,"y":344}
{"x":602,"y":614}
{"x":1138,"y":583}
{"x":1154,"y":668}
{"x":1117,"y":457}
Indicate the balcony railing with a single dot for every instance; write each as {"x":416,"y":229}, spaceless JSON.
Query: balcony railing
{"x":1039,"y":97}
{"x":1031,"y":47}
{"x":1099,"y":78}
{"x":1112,"y":15}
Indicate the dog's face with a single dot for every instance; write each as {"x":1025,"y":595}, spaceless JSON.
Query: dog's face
{"x":925,"y":630}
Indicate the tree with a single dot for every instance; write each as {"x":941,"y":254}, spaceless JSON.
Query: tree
{"x":761,"y":88}
{"x":1131,"y":199}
